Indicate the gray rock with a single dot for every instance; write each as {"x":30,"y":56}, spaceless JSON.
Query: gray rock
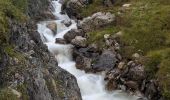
{"x":79,"y":41}
{"x":67,"y":23}
{"x":96,"y":20}
{"x":136,"y":72}
{"x":106,"y":61}
{"x":132,"y":85}
{"x":111,"y":85}
{"x":83,"y":63}
{"x":53,"y":27}
{"x":152,"y":91}
{"x":72,"y":34}
{"x":60,"y":41}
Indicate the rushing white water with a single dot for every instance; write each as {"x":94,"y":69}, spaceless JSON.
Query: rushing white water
{"x":91,"y":85}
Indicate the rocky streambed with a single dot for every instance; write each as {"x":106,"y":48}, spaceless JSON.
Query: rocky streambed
{"x":120,"y":73}
{"x":62,"y":34}
{"x":74,"y":69}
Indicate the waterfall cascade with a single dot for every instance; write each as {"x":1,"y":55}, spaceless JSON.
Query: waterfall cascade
{"x":92,"y":86}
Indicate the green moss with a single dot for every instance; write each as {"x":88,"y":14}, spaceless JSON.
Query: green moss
{"x":90,"y":9}
{"x":6,"y":94}
{"x":21,"y":4}
{"x":55,"y":87}
{"x":9,"y":10}
{"x":154,"y":60}
{"x":146,"y":30}
{"x":98,"y":35}
{"x":164,"y":78}
{"x":146,"y":26}
{"x":9,"y":49}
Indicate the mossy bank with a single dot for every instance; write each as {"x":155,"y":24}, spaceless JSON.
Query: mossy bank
{"x":145,"y":29}
{"x":25,"y":63}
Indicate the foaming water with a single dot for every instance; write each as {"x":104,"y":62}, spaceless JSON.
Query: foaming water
{"x":91,"y":85}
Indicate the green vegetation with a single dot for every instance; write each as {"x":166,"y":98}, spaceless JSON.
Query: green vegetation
{"x":6,"y":94}
{"x":155,"y":58}
{"x":158,"y":66}
{"x":9,"y":9}
{"x":164,"y":78}
{"x":146,"y":30}
{"x":145,"y":23}
{"x":146,"y":26}
{"x":98,"y":6}
{"x":97,"y":35}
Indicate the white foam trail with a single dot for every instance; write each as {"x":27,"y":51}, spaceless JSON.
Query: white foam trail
{"x":91,"y":85}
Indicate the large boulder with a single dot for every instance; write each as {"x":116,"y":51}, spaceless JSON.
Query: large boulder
{"x":72,"y":34}
{"x":52,"y":26}
{"x":83,"y":63}
{"x":136,"y":72}
{"x":152,"y":90}
{"x":106,"y":61}
{"x":79,"y":41}
{"x":72,"y":7}
{"x":97,"y":20}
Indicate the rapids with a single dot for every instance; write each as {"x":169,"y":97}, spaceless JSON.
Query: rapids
{"x":91,"y":85}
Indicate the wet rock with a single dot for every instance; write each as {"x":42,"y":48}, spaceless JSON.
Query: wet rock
{"x":72,"y":34}
{"x":111,"y":85}
{"x":79,"y":41}
{"x":132,"y":85}
{"x":96,"y":20}
{"x":106,"y":61}
{"x":85,"y":52}
{"x":83,"y":63}
{"x":122,"y":87}
{"x":53,"y":27}
{"x":136,"y":72}
{"x":142,"y":98}
{"x":152,"y":91}
{"x":50,"y":15}
{"x":93,"y":48}
{"x":60,"y":41}
{"x":67,"y":23}
{"x":113,"y":74}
